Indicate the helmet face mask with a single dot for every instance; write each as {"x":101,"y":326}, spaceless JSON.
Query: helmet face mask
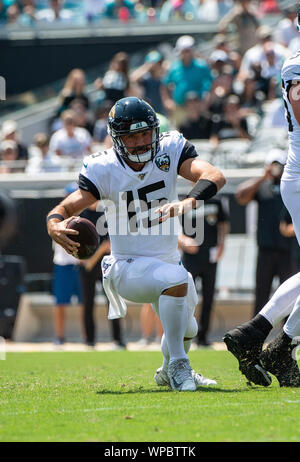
{"x":132,"y":115}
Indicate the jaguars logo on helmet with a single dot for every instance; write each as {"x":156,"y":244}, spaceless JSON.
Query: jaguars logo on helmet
{"x":130,"y":115}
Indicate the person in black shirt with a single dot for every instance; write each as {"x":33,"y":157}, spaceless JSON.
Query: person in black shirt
{"x":287,"y":230}
{"x":274,"y":256}
{"x":91,"y":273}
{"x":231,"y":124}
{"x":197,"y":125}
{"x":201,"y":260}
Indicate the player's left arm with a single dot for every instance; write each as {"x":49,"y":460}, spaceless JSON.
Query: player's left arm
{"x":207,"y":179}
{"x":294,"y":98}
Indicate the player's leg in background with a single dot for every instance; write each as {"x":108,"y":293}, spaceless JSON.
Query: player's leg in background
{"x":59,"y":323}
{"x":208,"y":292}
{"x":62,"y":291}
{"x":88,"y":280}
{"x":149,"y":323}
{"x":265,"y":272}
{"x":284,"y":266}
{"x":117,"y":333}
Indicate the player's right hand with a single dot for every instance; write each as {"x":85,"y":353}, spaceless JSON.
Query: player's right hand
{"x":59,"y":232}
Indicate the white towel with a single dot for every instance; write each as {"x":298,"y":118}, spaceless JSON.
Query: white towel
{"x":117,"y":305}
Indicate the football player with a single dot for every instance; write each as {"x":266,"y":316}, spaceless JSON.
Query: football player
{"x":136,"y":179}
{"x":246,"y":341}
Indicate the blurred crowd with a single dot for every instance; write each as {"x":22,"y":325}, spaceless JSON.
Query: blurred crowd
{"x":33,"y":12}
{"x":209,"y":97}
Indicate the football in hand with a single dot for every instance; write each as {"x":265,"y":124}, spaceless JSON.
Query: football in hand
{"x":88,"y":237}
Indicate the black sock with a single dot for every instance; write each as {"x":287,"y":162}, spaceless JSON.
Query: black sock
{"x":262,"y":324}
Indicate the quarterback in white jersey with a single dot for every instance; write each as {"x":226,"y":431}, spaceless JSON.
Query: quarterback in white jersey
{"x":136,"y":179}
{"x":246,"y":341}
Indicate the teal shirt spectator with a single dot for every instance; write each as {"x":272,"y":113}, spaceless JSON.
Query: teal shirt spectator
{"x":195,"y":77}
{"x":112,"y":6}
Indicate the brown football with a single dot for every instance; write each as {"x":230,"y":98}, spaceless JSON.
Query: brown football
{"x":88,"y":237}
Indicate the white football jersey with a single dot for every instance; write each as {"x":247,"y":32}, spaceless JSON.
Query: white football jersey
{"x":290,"y":74}
{"x":131,"y":197}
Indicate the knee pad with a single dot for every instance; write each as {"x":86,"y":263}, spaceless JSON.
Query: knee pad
{"x":192,"y":328}
{"x":171,"y":275}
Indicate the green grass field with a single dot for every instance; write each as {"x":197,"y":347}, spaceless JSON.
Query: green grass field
{"x":111,"y":397}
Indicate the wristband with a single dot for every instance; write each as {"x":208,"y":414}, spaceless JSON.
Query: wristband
{"x":55,"y":215}
{"x":203,"y":190}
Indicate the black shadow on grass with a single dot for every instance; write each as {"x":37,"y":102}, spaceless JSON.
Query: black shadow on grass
{"x":166,"y":390}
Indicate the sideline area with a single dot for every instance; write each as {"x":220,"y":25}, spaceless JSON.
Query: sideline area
{"x":26,"y":347}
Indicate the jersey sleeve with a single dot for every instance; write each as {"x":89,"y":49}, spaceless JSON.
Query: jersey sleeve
{"x":290,"y":73}
{"x":89,"y":180}
{"x":188,"y":152}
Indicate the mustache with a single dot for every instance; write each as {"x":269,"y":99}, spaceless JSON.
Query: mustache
{"x":140,"y":149}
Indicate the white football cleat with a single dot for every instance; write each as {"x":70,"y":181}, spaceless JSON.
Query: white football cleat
{"x":202,"y":381}
{"x":162,"y":379}
{"x":180,"y":375}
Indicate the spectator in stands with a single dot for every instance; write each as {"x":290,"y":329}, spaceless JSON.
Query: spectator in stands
{"x":9,"y":158}
{"x":115,"y":82}
{"x":254,"y":56}
{"x":3,"y":8}
{"x":217,"y":60}
{"x":179,"y":10}
{"x":197,"y":125}
{"x":13,"y":14}
{"x":9,"y":132}
{"x":91,"y":273}
{"x":66,"y":282}
{"x":123,"y":10}
{"x":149,"y":77}
{"x":150,"y":325}
{"x":55,"y":13}
{"x":268,"y":7}
{"x":243,"y":17}
{"x":82,"y":115}
{"x":100,"y":127}
{"x":231,"y":124}
{"x":222,"y":87}
{"x":71,"y":141}
{"x":251,"y":98}
{"x":274,"y":256}
{"x":186,"y":74}
{"x":74,"y":88}
{"x":41,"y":159}
{"x":28,"y":11}
{"x":286,"y":30}
{"x":93,"y":9}
{"x":269,"y":72}
{"x":201,"y":259}
{"x":214,"y":10}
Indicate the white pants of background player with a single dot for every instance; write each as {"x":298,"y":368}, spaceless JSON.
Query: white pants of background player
{"x":286,"y":300}
{"x":143,"y":280}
